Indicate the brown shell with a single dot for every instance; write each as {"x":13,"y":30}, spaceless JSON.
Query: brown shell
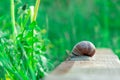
{"x":84,"y":48}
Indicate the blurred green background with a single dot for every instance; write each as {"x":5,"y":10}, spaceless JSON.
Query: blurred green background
{"x":69,"y":21}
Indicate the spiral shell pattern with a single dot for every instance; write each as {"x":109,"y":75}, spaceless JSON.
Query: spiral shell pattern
{"x":84,"y":48}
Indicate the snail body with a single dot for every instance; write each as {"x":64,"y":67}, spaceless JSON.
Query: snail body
{"x":84,"y":48}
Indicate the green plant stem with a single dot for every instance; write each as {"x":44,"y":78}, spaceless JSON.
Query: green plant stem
{"x":13,"y":19}
{"x":34,"y":19}
{"x":32,"y":54}
{"x":36,"y":10}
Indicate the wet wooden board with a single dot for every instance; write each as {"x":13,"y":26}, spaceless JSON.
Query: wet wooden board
{"x":104,"y":65}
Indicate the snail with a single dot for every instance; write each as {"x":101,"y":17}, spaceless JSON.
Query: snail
{"x":83,"y":48}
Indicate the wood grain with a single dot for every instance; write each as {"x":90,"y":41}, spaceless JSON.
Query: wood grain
{"x":104,"y":65}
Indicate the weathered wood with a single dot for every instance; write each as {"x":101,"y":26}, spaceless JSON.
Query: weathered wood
{"x":104,"y":65}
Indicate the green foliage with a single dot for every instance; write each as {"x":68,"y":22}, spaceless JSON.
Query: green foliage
{"x":22,"y":59}
{"x":40,"y":46}
{"x":23,"y":53}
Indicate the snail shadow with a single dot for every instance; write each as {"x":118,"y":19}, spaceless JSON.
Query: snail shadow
{"x":80,"y":58}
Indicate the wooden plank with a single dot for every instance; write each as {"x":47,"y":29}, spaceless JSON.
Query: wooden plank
{"x":104,"y":65}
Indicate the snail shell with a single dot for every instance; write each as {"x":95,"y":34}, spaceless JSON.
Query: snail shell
{"x":84,"y":48}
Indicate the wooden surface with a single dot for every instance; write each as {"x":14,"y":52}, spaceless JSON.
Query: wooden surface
{"x":104,"y":65}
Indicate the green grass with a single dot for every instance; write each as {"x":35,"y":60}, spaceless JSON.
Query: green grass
{"x":38,"y":42}
{"x":23,"y":52}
